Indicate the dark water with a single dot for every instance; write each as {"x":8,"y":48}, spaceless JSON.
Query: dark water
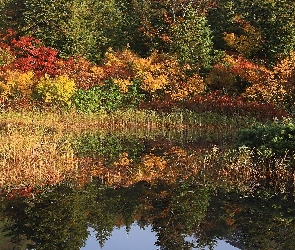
{"x":159,"y":202}
{"x":174,"y":216}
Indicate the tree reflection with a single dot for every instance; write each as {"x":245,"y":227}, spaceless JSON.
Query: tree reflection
{"x":177,"y":213}
{"x":56,"y":219}
{"x":183,"y":215}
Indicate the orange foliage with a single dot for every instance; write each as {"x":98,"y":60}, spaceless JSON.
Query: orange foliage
{"x":156,"y":73}
{"x":83,"y":72}
{"x":259,"y":82}
{"x":246,"y":44}
{"x":278,"y":87}
{"x":225,"y":74}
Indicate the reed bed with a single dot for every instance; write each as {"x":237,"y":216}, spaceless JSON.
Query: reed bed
{"x":35,"y":146}
{"x":144,"y":119}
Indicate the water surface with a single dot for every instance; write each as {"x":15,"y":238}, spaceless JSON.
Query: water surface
{"x":139,"y":193}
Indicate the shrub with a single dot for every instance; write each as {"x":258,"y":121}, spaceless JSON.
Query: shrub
{"x":56,"y":90}
{"x":234,"y":74}
{"x":31,"y":55}
{"x":106,"y":97}
{"x":17,"y":84}
{"x":133,"y":94}
{"x":270,"y":139}
{"x":157,"y":76}
{"x":112,"y":95}
{"x":85,"y":73}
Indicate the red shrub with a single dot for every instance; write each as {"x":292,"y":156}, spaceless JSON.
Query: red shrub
{"x":30,"y":54}
{"x":221,"y":104}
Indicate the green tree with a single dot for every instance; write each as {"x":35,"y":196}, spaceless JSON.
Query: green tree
{"x":86,"y":27}
{"x":274,"y":20}
{"x":192,"y":40}
{"x":149,"y":24}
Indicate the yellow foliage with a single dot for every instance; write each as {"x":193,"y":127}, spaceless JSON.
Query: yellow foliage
{"x":15,"y":84}
{"x":151,"y":72}
{"x":58,"y":89}
{"x":123,"y":84}
{"x":113,"y":58}
{"x":285,"y":69}
{"x":155,"y":73}
{"x":152,"y":82}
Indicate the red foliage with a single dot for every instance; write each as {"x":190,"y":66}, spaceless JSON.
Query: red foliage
{"x":5,"y":38}
{"x":221,"y":104}
{"x":30,"y":54}
{"x":19,"y":192}
{"x":83,"y":72}
{"x":118,"y":72}
{"x":224,"y":104}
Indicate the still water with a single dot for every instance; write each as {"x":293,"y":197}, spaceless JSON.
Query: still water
{"x":132,"y":193}
{"x":136,"y":238}
{"x":156,"y":216}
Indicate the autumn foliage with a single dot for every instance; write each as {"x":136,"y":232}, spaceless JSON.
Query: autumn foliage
{"x":234,"y":85}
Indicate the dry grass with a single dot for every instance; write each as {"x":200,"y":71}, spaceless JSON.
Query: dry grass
{"x":34,"y":151}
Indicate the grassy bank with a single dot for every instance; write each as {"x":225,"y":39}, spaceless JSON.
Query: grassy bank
{"x":35,"y":146}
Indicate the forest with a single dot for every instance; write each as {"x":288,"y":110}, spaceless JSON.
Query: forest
{"x":173,"y":114}
{"x":223,"y":69}
{"x":232,"y":56}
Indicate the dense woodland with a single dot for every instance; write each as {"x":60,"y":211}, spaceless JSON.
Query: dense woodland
{"x":200,"y":54}
{"x":103,"y":74}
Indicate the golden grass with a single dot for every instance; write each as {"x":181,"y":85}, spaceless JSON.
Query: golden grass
{"x":34,"y":151}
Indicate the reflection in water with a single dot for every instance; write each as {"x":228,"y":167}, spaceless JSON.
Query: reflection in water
{"x":181,"y":215}
{"x":190,"y":197}
{"x":136,"y":238}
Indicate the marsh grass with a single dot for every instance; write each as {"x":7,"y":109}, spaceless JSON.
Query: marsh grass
{"x":35,"y":146}
{"x":32,"y":158}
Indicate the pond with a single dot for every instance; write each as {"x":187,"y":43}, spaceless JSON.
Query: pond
{"x":136,"y":238}
{"x":154,"y":193}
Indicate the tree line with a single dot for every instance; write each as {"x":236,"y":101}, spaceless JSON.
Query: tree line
{"x":239,"y":47}
{"x":194,"y":30}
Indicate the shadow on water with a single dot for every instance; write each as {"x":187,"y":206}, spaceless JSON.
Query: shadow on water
{"x":190,"y":195}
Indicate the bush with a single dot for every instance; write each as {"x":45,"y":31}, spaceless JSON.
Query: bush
{"x":270,"y":139}
{"x":16,"y":84}
{"x":85,"y":73}
{"x":57,"y":90}
{"x":108,"y":97}
{"x":133,"y":95}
